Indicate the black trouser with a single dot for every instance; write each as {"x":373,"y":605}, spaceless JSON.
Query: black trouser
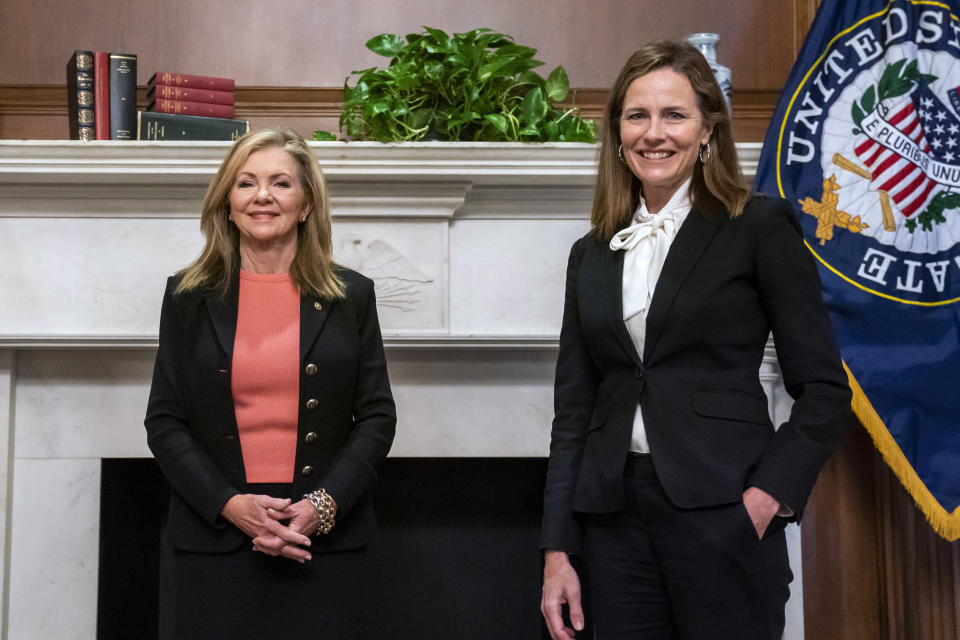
{"x":661,"y":573}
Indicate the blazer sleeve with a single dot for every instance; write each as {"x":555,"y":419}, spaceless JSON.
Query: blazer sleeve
{"x":186,"y":465}
{"x":809,"y":360}
{"x":575,"y":396}
{"x":353,"y":471}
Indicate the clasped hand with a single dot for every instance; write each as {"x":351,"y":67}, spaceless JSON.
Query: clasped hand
{"x":277,"y":526}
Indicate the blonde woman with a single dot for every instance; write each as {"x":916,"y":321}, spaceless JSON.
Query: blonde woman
{"x":269,"y":412}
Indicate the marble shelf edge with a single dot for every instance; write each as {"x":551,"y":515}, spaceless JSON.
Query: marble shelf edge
{"x":49,"y":161}
{"x":394,"y":341}
{"x":71,"y":179}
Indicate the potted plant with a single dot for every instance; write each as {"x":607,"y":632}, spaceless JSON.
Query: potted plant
{"x":473,"y":86}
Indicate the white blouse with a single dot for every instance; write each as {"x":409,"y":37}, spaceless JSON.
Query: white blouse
{"x":646,"y":242}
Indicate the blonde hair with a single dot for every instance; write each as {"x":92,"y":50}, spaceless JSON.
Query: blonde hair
{"x":716,"y":183}
{"x":312,"y":268}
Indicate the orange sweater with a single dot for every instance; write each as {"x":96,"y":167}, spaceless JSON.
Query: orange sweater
{"x":266,"y":379}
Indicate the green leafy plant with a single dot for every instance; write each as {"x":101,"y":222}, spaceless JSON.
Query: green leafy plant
{"x":478,"y":85}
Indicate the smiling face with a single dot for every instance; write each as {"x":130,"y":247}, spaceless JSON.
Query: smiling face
{"x":661,"y":129}
{"x":267,"y":200}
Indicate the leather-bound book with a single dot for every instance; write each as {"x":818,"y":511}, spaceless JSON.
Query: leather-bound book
{"x":101,"y":93}
{"x":80,"y":97}
{"x":167,"y":126}
{"x":187,"y":80}
{"x":123,"y":96}
{"x":184,"y":108}
{"x":189,"y":94}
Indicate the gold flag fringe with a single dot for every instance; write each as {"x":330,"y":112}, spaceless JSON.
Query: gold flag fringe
{"x":946,"y":524}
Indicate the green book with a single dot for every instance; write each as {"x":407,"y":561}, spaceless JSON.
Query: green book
{"x":152,"y":125}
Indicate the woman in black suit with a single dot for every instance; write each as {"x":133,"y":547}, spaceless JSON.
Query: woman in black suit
{"x":269,"y":412}
{"x":666,"y":474}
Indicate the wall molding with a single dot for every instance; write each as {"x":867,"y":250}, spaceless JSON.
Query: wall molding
{"x":39,"y":112}
{"x":141,"y":165}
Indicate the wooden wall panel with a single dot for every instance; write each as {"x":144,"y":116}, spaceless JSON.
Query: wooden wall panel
{"x":920,"y":571}
{"x":309,"y":44}
{"x":316,"y":43}
{"x":803,"y":14}
{"x":873,"y":568}
{"x":841,"y":574}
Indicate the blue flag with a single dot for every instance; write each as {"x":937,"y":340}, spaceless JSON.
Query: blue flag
{"x":865,"y":142}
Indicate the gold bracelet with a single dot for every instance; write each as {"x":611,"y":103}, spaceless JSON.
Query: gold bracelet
{"x":326,"y":510}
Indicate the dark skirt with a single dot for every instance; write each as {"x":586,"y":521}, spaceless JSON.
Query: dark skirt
{"x":247,"y":594}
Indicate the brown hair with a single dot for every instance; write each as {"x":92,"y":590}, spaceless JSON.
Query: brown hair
{"x":716,"y":183}
{"x":312,"y":267}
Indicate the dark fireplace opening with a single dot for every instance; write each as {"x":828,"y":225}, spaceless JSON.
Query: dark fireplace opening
{"x":456,"y":557}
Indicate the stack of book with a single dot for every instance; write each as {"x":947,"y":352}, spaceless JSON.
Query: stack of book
{"x":190,"y":95}
{"x":102,"y":102}
{"x":190,"y":107}
{"x":102,"y":95}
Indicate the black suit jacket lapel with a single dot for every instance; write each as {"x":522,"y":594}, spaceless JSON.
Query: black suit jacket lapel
{"x":687,"y":247}
{"x":223,"y":314}
{"x":611,"y":281}
{"x":223,"y":311}
{"x":313,"y":315}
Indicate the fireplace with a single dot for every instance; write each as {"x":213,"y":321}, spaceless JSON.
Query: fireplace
{"x":92,"y":230}
{"x":456,"y":556}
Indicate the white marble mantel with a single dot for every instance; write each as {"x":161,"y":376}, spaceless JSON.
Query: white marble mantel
{"x":93,"y":227}
{"x":467,"y":244}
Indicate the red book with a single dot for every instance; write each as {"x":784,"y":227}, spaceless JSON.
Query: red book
{"x":101,"y":93}
{"x":192,"y":108}
{"x":187,"y":80}
{"x":189,"y":94}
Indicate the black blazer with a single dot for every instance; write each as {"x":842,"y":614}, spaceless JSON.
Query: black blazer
{"x":192,"y":427}
{"x":725,"y":285}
